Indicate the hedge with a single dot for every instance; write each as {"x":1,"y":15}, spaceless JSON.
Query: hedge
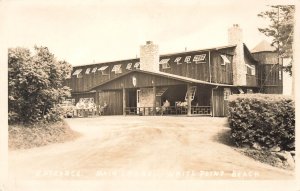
{"x":263,"y":120}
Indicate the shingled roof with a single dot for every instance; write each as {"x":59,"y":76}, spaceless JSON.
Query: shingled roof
{"x":263,"y":46}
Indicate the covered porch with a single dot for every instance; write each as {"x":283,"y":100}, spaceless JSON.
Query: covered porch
{"x":147,"y":93}
{"x":169,"y":100}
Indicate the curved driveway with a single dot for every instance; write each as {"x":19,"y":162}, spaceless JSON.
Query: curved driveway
{"x":132,"y":147}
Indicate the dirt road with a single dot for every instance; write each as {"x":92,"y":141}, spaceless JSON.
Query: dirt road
{"x":142,"y":148}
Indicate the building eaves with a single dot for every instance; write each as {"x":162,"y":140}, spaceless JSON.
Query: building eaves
{"x":162,"y":55}
{"x":166,"y":75}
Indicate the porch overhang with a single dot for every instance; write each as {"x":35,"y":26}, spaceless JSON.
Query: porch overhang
{"x":171,"y":77}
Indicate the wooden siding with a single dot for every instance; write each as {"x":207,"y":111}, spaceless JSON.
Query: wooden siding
{"x":267,"y":57}
{"x":221,"y":73}
{"x":114,"y":102}
{"x":200,"y":71}
{"x":219,"y":104}
{"x":192,"y":70}
{"x":270,"y":74}
{"x":251,"y":80}
{"x":87,"y":81}
{"x":142,"y":80}
{"x":272,"y":89}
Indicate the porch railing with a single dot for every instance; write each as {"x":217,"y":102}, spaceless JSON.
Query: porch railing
{"x":171,"y":110}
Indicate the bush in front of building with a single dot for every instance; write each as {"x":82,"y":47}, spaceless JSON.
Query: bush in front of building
{"x":262,"y":121}
{"x":35,"y":85}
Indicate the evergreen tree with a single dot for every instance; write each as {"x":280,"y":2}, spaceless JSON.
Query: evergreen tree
{"x":281,"y":30}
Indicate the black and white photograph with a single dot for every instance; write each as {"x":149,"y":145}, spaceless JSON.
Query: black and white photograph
{"x":148,"y":95}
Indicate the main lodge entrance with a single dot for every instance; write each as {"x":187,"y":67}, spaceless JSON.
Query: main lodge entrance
{"x":144,"y":93}
{"x":139,"y":101}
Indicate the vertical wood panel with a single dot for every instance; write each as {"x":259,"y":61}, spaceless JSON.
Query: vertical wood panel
{"x":114,"y":101}
{"x":218,"y":102}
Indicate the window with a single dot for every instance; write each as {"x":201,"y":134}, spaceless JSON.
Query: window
{"x":250,"y":69}
{"x":94,"y":70}
{"x":279,"y":74}
{"x":165,"y":63}
{"x":87,"y":71}
{"x":103,"y":70}
{"x":187,"y":59}
{"x":129,"y":66}
{"x":241,"y":91}
{"x":199,"y":58}
{"x":137,"y":65}
{"x":77,"y":73}
{"x":227,"y":93}
{"x":249,"y":91}
{"x":253,"y":70}
{"x":225,"y":60}
{"x":117,"y":69}
{"x":177,"y":60}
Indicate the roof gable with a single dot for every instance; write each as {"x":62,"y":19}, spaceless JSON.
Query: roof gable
{"x":249,"y":55}
{"x":263,"y":46}
{"x":172,"y":79}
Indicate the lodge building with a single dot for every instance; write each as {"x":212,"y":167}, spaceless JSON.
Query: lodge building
{"x":203,"y":79}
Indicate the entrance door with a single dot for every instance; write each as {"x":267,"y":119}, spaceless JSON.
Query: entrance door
{"x":138,"y":99}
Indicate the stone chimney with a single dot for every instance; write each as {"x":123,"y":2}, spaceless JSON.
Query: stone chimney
{"x":149,"y":57}
{"x":235,"y":37}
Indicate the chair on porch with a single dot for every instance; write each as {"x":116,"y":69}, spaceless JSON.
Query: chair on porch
{"x":102,"y":108}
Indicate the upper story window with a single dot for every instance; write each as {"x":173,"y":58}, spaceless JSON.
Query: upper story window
{"x":177,"y":60}
{"x":104,"y":70}
{"x":250,"y":69}
{"x":199,"y":58}
{"x":137,"y":65}
{"x":165,"y":63}
{"x":225,"y":60}
{"x":129,"y":66}
{"x":187,"y":59}
{"x":87,"y":71}
{"x":117,"y":69}
{"x":77,"y":73}
{"x":94,"y":70}
{"x":279,"y":74}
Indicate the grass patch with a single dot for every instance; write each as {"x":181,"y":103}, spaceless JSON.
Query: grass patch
{"x":26,"y":137}
{"x":265,"y":156}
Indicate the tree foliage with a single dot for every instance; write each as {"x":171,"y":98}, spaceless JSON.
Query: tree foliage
{"x":35,"y":84}
{"x":281,"y":30}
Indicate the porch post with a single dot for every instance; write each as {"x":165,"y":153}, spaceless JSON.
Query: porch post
{"x":124,"y":100}
{"x":97,"y":102}
{"x":154,"y":100}
{"x":189,"y":101}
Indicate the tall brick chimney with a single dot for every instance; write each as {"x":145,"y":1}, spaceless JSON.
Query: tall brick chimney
{"x":149,"y":57}
{"x":235,"y":37}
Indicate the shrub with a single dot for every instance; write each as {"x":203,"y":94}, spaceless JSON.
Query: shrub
{"x":35,"y":84}
{"x":262,"y":120}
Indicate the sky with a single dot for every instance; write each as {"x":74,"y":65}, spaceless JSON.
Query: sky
{"x":84,"y":32}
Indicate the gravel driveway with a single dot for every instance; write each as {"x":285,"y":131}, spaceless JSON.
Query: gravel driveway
{"x":134,"y":147}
